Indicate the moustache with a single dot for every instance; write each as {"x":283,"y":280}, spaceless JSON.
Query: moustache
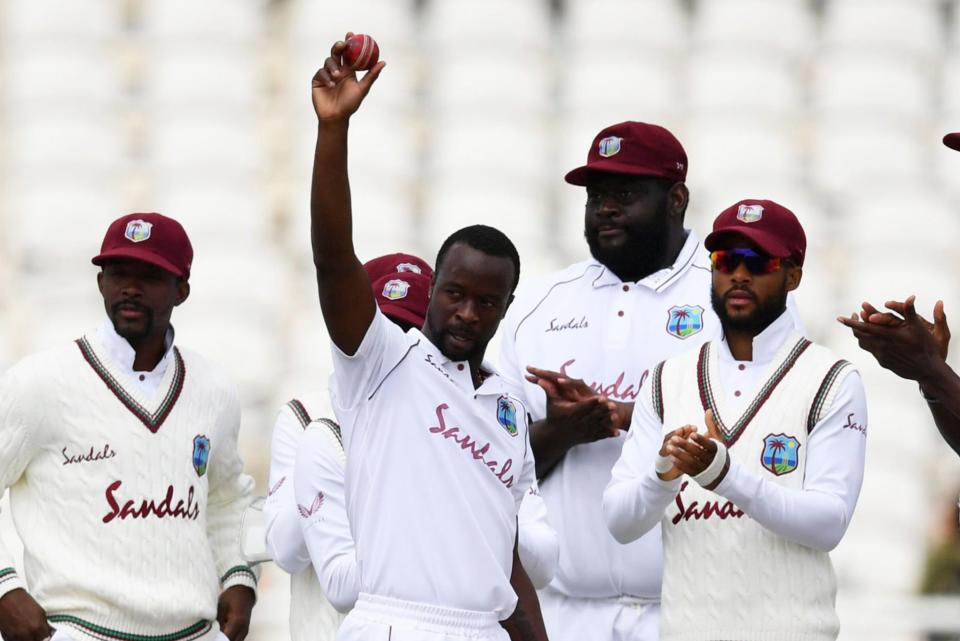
{"x":740,"y":289}
{"x":129,"y":304}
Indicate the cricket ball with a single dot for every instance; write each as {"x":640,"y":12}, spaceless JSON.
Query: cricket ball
{"x":361,"y":53}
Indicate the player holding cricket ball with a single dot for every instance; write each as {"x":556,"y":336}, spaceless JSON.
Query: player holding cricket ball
{"x":438,"y":456}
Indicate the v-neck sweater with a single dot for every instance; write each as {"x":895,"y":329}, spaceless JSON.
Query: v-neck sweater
{"x":128,"y":503}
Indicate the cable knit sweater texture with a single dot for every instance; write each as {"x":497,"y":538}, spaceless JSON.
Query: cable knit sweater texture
{"x":128,"y":507}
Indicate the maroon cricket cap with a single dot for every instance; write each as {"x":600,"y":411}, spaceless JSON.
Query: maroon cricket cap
{"x":771,"y":226}
{"x":403,"y":296}
{"x":952,"y":141}
{"x":396,"y":263}
{"x":151,"y":238}
{"x":633,"y":149}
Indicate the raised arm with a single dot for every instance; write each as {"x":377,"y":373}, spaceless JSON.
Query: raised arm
{"x":345,"y":297}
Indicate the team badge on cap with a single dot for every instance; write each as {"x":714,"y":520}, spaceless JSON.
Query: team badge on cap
{"x":609,"y":146}
{"x":409,"y":267}
{"x":750,"y":213}
{"x":137,"y":231}
{"x":201,"y":453}
{"x":683,"y":321}
{"x":779,"y":455}
{"x":507,"y":414}
{"x":395,"y":289}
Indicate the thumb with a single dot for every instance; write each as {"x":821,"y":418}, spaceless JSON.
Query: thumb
{"x":941,"y":330}
{"x":712,"y":430}
{"x":371,"y":76}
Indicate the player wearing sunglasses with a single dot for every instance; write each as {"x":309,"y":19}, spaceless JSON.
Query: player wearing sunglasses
{"x":748,"y":451}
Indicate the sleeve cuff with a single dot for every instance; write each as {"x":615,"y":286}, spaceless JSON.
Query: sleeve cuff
{"x":238,"y":575}
{"x":10,"y":581}
{"x":711,"y":477}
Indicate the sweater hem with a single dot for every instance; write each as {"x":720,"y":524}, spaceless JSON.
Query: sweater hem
{"x":89,"y":630}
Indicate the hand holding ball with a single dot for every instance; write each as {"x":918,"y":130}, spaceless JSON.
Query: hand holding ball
{"x":361,"y":53}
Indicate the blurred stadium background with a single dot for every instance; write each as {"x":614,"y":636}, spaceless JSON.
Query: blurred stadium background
{"x":201,"y":110}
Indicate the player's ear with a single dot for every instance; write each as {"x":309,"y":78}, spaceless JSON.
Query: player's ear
{"x":100,"y":281}
{"x":794,"y":276}
{"x":507,"y":306}
{"x":678,"y":197}
{"x":183,"y":291}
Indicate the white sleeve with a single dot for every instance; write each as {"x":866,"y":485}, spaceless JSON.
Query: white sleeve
{"x":21,"y":437}
{"x":319,"y":488}
{"x":816,"y":515}
{"x":284,"y":539}
{"x":635,"y":497}
{"x":538,"y":543}
{"x":230,"y":492}
{"x":356,"y":376}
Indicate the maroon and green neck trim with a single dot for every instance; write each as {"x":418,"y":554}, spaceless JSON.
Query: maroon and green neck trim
{"x":7,"y":574}
{"x":816,"y":408}
{"x":153,"y":420}
{"x":732,"y":433}
{"x":300,"y":412}
{"x":195,"y":631}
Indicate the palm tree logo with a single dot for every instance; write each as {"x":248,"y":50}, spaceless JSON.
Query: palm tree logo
{"x":685,"y":320}
{"x":780,"y":454}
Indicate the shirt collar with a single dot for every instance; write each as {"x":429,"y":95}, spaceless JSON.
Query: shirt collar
{"x":661,"y":278}
{"x":122,"y":353}
{"x":767,"y":343}
{"x":494,"y":382}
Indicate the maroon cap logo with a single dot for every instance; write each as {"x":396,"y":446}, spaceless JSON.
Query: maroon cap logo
{"x":137,"y":231}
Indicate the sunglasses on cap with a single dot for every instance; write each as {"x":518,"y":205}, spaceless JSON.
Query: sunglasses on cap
{"x":726,"y":261}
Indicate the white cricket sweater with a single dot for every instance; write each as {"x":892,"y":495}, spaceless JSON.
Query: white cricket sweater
{"x":312,"y":616}
{"x":726,"y":576}
{"x":128,"y":504}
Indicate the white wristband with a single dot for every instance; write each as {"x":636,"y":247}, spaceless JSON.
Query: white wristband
{"x":664,"y":464}
{"x":711,"y":477}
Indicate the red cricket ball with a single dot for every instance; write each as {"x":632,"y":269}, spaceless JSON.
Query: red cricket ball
{"x":361,"y":53}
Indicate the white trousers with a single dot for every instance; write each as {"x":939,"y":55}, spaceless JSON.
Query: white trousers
{"x":615,"y":619}
{"x":377,"y":618}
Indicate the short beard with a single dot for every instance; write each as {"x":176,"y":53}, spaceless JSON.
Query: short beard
{"x":643,"y":253}
{"x":437,"y":336}
{"x":134,"y":336}
{"x":761,"y":318}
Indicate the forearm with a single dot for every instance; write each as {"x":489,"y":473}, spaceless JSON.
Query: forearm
{"x":549,"y":447}
{"x":331,"y":229}
{"x":813,"y":518}
{"x":633,"y":507}
{"x":340,"y":579}
{"x":526,"y":622}
{"x":941,"y":388}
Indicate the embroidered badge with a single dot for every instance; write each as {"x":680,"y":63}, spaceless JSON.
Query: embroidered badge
{"x":201,"y":453}
{"x":610,"y":146}
{"x":396,"y":289}
{"x":779,"y":455}
{"x":683,"y":321}
{"x":137,"y":231}
{"x":507,"y":414}
{"x":750,"y":213}
{"x":409,"y":267}
{"x":307,"y":512}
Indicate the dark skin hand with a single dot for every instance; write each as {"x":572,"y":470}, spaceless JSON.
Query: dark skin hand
{"x":22,"y":618}
{"x":575,"y":415}
{"x":233,"y":611}
{"x":526,"y":621}
{"x":691,"y":451}
{"x":912,"y":347}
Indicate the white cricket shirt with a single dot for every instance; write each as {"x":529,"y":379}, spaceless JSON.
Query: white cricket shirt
{"x":436,"y":471}
{"x":586,"y":322}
